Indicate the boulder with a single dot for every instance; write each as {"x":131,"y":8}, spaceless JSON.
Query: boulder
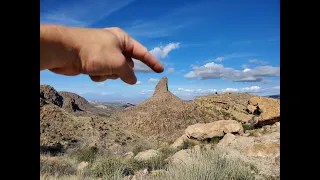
{"x":214,"y":129}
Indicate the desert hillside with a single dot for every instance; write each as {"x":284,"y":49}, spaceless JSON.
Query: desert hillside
{"x":62,"y":127}
{"x":234,"y":104}
{"x":219,"y":136}
{"x":163,"y":116}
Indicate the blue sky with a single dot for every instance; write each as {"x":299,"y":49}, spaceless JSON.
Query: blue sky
{"x":205,"y":45}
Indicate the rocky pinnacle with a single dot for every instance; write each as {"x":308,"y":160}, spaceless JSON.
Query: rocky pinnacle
{"x":162,"y":86}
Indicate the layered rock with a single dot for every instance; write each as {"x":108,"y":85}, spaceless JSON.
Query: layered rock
{"x":265,"y":110}
{"x":214,"y":129}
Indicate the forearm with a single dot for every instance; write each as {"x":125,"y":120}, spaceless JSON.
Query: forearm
{"x":56,"y":47}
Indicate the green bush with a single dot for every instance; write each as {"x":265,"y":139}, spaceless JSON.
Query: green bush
{"x":140,"y":146}
{"x":247,"y":127}
{"x":214,"y":140}
{"x":110,"y":168}
{"x":187,"y":144}
{"x":155,"y":163}
{"x":88,"y":154}
{"x":166,"y":152}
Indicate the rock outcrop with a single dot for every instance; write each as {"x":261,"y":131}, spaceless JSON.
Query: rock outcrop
{"x":147,"y":155}
{"x":74,"y":102}
{"x":214,"y":129}
{"x":263,"y":150}
{"x":265,"y":110}
{"x":49,"y":94}
{"x":227,"y":106}
{"x":161,"y":87}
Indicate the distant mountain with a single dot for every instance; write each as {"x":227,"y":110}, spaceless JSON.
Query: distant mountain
{"x":94,"y":102}
{"x":68,"y":120}
{"x":71,"y":102}
{"x":277,"y":96}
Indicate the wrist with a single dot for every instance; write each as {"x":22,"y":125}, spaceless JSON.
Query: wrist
{"x":57,"y":48}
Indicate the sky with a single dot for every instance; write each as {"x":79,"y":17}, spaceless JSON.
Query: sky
{"x":206,"y":46}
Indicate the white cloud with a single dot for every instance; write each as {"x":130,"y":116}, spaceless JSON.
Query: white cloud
{"x":197,"y":91}
{"x":163,"y":51}
{"x":232,"y":56}
{"x":230,"y":90}
{"x":266,"y":81}
{"x":107,"y":93}
{"x":159,"y":52}
{"x":246,"y":70}
{"x":153,"y":80}
{"x":251,"y":89}
{"x":253,"y":60}
{"x":138,"y":82}
{"x":85,"y":92}
{"x":276,"y":87}
{"x":170,"y":70}
{"x":218,"y":71}
{"x":82,"y":13}
{"x":242,"y":42}
{"x":219,"y":59}
{"x":244,"y":66}
{"x":261,"y":62}
{"x":141,"y":67}
{"x":170,"y":23}
{"x":238,"y":55}
{"x":146,"y":92}
{"x":101,"y":84}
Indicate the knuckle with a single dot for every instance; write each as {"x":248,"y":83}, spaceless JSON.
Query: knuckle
{"x":117,"y":29}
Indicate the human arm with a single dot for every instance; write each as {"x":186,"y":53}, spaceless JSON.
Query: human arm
{"x":99,"y":53}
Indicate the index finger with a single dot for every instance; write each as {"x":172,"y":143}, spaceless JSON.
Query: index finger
{"x":141,"y":53}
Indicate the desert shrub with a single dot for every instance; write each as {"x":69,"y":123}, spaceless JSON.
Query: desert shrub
{"x":155,"y":163}
{"x":214,"y":140}
{"x":57,"y":168}
{"x":158,"y":173}
{"x":166,"y":152}
{"x":65,"y":177}
{"x":247,"y":127}
{"x":52,"y":150}
{"x":110,"y":168}
{"x":271,"y":177}
{"x":134,"y":165}
{"x":213,"y":165}
{"x":189,"y":143}
{"x":140,"y":146}
{"x":86,"y":154}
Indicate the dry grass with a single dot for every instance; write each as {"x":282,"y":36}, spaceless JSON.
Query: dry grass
{"x":65,"y":177}
{"x":213,"y":165}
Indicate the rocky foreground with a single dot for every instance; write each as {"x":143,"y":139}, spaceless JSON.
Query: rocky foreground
{"x":222,"y":136}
